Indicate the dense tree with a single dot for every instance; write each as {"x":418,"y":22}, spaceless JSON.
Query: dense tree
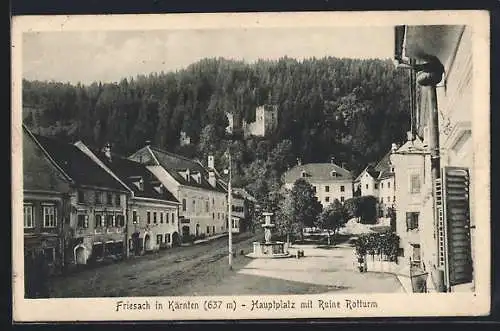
{"x":351,"y":108}
{"x":306,"y":206}
{"x":332,"y":218}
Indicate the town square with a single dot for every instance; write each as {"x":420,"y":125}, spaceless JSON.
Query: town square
{"x":226,"y":162}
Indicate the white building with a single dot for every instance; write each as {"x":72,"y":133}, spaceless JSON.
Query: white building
{"x":446,"y":237}
{"x":378,"y":181}
{"x":329,"y":181}
{"x":203,"y":210}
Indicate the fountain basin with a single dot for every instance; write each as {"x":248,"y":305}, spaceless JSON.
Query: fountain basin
{"x":270,"y":250}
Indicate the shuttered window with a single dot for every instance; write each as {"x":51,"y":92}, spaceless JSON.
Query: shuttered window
{"x":457,"y":222}
{"x":411,"y":221}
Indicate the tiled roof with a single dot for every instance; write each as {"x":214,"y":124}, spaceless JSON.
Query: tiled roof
{"x":127,"y":170}
{"x":77,"y":165}
{"x":412,"y":146}
{"x":317,"y":171}
{"x":174,"y":164}
{"x":384,"y":163}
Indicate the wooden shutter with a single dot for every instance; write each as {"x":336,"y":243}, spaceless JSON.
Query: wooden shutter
{"x":456,"y":210}
{"x":408,"y":221}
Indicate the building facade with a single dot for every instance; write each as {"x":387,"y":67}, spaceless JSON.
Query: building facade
{"x":379,"y":181}
{"x":203,"y":201}
{"x":152,"y":210}
{"x":329,"y":181}
{"x":442,"y":59}
{"x":46,"y":191}
{"x":95,"y":226}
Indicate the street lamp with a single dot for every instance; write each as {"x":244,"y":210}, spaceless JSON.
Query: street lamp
{"x":229,"y":214}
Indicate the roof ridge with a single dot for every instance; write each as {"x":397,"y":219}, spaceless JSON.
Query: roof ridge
{"x":157,"y":149}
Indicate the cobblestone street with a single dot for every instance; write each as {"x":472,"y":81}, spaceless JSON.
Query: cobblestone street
{"x":203,"y":270}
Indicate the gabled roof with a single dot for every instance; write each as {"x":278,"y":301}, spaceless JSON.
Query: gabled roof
{"x":317,"y":171}
{"x":174,"y":164}
{"x":370,"y":171}
{"x":77,"y":165}
{"x":415,"y":146}
{"x":128,"y":171}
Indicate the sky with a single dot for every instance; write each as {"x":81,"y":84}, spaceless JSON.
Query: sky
{"x":109,"y":56}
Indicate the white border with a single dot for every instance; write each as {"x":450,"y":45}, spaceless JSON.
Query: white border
{"x":396,"y":305}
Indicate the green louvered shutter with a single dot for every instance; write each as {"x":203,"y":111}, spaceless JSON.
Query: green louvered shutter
{"x":457,"y":218}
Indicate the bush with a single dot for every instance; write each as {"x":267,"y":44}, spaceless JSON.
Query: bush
{"x":385,"y":244}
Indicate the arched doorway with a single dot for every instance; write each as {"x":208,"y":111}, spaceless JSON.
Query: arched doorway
{"x":176,"y":240}
{"x":80,"y":255}
{"x":185,"y":231}
{"x":197,"y":230}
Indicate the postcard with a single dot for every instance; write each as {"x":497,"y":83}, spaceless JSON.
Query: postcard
{"x":250,"y":166}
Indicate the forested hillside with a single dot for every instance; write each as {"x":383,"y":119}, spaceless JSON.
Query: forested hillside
{"x":350,"y":109}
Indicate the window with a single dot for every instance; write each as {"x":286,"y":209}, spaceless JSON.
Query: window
{"x":213,"y":228}
{"x":342,"y":188}
{"x":381,"y":199}
{"x":161,"y":217}
{"x":98,"y":221}
{"x":381,"y":185}
{"x":183,"y":204}
{"x":80,"y":196}
{"x":167,"y":238}
{"x":109,"y":198}
{"x":314,"y":189}
{"x":206,"y":206}
{"x":110,"y":221}
{"x":173,"y":218}
{"x":411,"y":221}
{"x":159,"y":239}
{"x":342,"y":199}
{"x":28,"y":217}
{"x":117,"y":200}
{"x":213,"y":216}
{"x":414,"y":183}
{"x":367,"y":186}
{"x":208,"y":229}
{"x":327,"y":188}
{"x":194,"y":205}
{"x":303,"y":174}
{"x":149,"y":217}
{"x":97,"y":198}
{"x":82,"y":221}
{"x":166,"y":218}
{"x":376,"y":186}
{"x":394,"y":199}
{"x":388,"y":199}
{"x":389,"y":185}
{"x":134,"y":217}
{"x":327,"y":199}
{"x":49,"y":216}
{"x":154,"y":217}
{"x":120,"y":221}
{"x":218,"y":216}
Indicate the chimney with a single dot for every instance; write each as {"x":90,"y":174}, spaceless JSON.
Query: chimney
{"x":211,"y":162}
{"x":332,"y":160}
{"x":211,"y":177}
{"x":394,"y":147}
{"x":409,"y":135}
{"x":343,"y":165}
{"x":299,"y":161}
{"x":107,"y":151}
{"x":147,"y":143}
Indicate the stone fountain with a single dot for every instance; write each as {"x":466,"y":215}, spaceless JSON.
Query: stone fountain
{"x":268,"y":248}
